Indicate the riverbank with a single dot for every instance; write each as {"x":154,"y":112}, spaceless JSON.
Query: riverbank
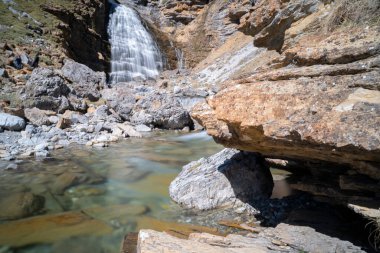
{"x":289,"y":88}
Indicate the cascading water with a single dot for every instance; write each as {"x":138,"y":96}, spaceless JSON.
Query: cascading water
{"x":134,"y":53}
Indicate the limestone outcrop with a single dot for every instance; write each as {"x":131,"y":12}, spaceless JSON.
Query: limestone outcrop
{"x":84,"y":23}
{"x":283,"y":238}
{"x":317,"y":102}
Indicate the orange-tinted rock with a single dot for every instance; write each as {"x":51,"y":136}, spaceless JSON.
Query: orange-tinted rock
{"x":324,"y":118}
{"x":50,"y":228}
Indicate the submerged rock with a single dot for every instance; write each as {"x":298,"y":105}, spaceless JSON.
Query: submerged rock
{"x":227,"y":179}
{"x":20,"y":205}
{"x":50,"y":228}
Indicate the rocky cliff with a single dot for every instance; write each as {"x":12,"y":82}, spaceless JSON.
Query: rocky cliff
{"x":319,"y":100}
{"x":84,"y":31}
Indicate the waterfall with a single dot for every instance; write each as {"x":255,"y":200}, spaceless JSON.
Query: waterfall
{"x":179,"y":55}
{"x":134,"y":53}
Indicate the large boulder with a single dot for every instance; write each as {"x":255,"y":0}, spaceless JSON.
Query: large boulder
{"x":226,"y":179}
{"x":11,"y":122}
{"x":161,"y":110}
{"x":85,"y":82}
{"x":120,"y":98}
{"x":38,"y":117}
{"x":325,"y":118}
{"x":46,"y":90}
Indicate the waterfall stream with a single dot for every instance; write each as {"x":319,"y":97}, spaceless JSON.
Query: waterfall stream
{"x":134,"y":53}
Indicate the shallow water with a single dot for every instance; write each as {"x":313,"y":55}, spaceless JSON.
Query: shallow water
{"x":131,"y":178}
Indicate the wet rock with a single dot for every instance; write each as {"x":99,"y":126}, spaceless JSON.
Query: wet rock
{"x":226,"y":179}
{"x":86,"y":83}
{"x":20,"y":205}
{"x":64,"y":181}
{"x":50,"y":228}
{"x":114,"y":212}
{"x":11,"y":122}
{"x":181,"y":230}
{"x":38,"y":117}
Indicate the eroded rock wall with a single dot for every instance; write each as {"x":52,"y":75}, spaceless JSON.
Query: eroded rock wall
{"x":318,"y":100}
{"x":84,"y":32}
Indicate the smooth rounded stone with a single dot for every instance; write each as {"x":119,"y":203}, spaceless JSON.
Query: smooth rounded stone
{"x":20,"y":205}
{"x":143,"y":128}
{"x":53,"y":119}
{"x":11,"y":122}
{"x":229,"y":178}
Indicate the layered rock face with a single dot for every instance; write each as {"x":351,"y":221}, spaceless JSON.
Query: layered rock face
{"x":319,"y":101}
{"x":283,"y":238}
{"x":84,"y":32}
{"x":194,"y":27}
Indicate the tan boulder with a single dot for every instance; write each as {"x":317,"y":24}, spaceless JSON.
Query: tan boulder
{"x":38,"y":117}
{"x":327,"y":118}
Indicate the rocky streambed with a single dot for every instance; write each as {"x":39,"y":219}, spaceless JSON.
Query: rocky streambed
{"x":86,"y":199}
{"x":90,"y":198}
